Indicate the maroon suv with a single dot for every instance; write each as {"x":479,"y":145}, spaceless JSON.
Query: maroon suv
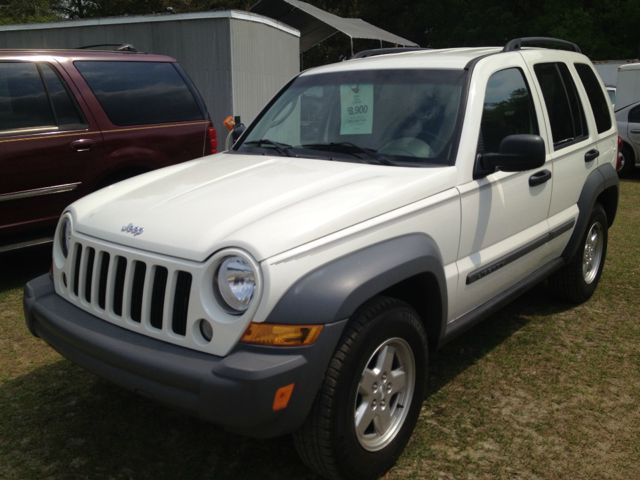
{"x":73,"y":121}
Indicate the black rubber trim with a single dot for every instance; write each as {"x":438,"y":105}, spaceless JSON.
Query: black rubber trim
{"x":520,"y":252}
{"x":518,"y":43}
{"x":470,"y":319}
{"x":385,"y":51}
{"x":335,"y":290}
{"x":599,"y":180}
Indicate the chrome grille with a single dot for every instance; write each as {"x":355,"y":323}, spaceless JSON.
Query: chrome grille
{"x":131,"y":290}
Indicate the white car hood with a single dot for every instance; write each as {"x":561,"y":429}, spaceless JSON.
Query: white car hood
{"x":265,"y":205}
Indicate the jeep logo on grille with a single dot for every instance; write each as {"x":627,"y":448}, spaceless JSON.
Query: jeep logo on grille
{"x":132,"y":229}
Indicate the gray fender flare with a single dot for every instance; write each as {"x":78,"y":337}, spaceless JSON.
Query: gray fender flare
{"x":335,"y":290}
{"x":598,"y":181}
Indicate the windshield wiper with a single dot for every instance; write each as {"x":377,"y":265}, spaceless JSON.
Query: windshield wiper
{"x":281,"y":148}
{"x":351,"y":149}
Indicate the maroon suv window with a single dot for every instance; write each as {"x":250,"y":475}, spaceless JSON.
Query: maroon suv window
{"x":23,"y":98}
{"x":65,"y":110}
{"x":138,"y":93}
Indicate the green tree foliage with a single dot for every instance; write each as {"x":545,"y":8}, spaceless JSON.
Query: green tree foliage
{"x":110,"y":8}
{"x":26,"y":11}
{"x":603,"y":29}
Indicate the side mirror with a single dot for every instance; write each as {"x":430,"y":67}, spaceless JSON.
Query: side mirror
{"x":517,"y":153}
{"x":238,"y":130}
{"x":235,"y":129}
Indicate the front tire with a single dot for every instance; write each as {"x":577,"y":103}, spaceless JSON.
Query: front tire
{"x":371,"y":396}
{"x":577,"y":280}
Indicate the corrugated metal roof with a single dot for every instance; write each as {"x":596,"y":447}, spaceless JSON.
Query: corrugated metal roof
{"x":236,"y":14}
{"x":316,"y":25}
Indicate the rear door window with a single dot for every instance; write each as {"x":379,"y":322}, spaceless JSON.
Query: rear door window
{"x":138,"y":93}
{"x":566,"y":115}
{"x":66,"y":112}
{"x":598,"y":101}
{"x":23,"y":98}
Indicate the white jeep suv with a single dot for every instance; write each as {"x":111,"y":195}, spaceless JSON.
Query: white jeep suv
{"x":374,"y":210}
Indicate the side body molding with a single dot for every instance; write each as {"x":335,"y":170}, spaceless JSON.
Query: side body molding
{"x":598,"y":181}
{"x":335,"y":290}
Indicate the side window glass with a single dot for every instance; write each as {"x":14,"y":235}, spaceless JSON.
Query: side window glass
{"x":565,"y":111}
{"x":596,"y":96}
{"x":23,"y":99}
{"x":65,"y":110}
{"x":634,"y":115}
{"x":138,"y":93}
{"x":508,"y":110}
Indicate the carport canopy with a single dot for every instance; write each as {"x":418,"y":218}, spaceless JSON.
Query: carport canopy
{"x":316,"y":25}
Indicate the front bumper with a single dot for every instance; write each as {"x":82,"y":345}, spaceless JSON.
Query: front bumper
{"x":235,"y":392}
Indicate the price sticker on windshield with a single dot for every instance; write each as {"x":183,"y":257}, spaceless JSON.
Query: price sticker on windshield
{"x":356,"y":104}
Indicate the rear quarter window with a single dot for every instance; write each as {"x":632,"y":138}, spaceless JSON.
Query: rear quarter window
{"x":138,"y":93}
{"x":598,"y":101}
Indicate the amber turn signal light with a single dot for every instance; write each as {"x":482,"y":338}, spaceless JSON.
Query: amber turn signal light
{"x":281,"y":335}
{"x":282,"y":397}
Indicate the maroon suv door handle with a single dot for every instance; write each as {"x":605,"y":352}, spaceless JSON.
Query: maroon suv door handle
{"x":83,"y":144}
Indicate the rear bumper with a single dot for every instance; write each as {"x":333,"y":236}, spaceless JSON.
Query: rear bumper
{"x":235,"y":392}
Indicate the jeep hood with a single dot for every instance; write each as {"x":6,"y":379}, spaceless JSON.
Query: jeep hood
{"x":263,"y":204}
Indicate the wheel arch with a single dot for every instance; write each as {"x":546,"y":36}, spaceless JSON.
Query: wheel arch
{"x":601,"y":186}
{"x":408,"y":268}
{"x":423,"y":293}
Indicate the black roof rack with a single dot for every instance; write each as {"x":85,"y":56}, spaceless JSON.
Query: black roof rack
{"x":383,"y":51}
{"x":118,"y":47}
{"x":548,"y":42}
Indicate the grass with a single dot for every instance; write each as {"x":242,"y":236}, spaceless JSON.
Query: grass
{"x":538,"y":391}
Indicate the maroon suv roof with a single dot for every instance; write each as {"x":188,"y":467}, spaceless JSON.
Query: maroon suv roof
{"x":79,"y":54}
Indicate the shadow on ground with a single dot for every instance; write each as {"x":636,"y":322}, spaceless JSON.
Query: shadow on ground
{"x":20,"y":266}
{"x":633,"y":176}
{"x":475,"y":343}
{"x":61,"y":422}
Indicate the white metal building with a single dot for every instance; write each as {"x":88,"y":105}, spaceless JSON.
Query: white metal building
{"x":238,"y":60}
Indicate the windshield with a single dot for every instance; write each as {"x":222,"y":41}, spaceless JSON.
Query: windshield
{"x":393,"y":117}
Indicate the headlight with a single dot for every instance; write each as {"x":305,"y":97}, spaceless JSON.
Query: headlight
{"x":65,"y":236}
{"x":235,"y":283}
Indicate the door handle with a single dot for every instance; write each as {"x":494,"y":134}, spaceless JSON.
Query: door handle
{"x":591,"y":155}
{"x":635,"y":130}
{"x":539,"y":178}
{"x":83,"y":144}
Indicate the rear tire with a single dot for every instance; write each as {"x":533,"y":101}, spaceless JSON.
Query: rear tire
{"x":371,"y":396}
{"x":577,"y":280}
{"x":629,"y":161}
